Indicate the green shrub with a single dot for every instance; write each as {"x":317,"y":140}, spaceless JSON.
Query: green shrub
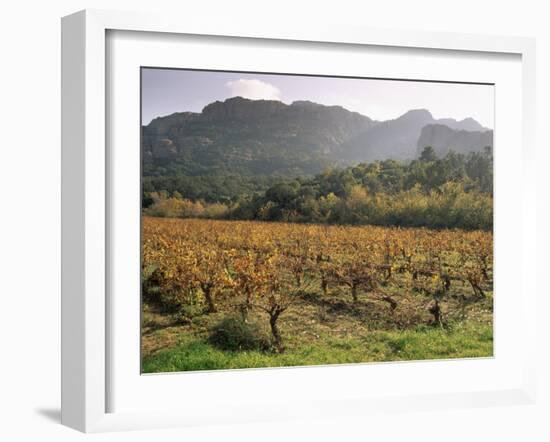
{"x":233,"y":333}
{"x":184,"y":303}
{"x":188,"y":308}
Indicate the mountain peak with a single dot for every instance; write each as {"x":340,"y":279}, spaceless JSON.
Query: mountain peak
{"x":241,"y":108}
{"x":305,"y":103}
{"x":237,"y":99}
{"x":417,"y":114}
{"x":468,"y":124}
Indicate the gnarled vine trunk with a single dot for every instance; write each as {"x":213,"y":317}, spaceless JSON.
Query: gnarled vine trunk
{"x":435,"y":310}
{"x":209,"y":298}
{"x":354,"y":291}
{"x":324,"y":285}
{"x":277,"y":340}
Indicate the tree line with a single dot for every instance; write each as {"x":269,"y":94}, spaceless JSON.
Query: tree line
{"x":455,"y":191}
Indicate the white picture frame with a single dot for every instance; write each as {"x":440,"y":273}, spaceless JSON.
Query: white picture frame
{"x":86,"y":356}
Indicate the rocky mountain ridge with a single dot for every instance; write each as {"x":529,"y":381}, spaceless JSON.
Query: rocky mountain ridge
{"x":265,"y":137}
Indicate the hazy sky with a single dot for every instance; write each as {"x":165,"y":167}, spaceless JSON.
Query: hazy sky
{"x":165,"y":91}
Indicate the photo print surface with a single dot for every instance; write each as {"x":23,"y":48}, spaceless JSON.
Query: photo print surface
{"x":296,"y":220}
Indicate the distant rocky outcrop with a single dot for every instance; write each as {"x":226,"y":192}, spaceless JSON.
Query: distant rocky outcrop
{"x":443,"y":139}
{"x":468,"y":124}
{"x":251,"y":137}
{"x":398,"y":139}
{"x":394,"y":139}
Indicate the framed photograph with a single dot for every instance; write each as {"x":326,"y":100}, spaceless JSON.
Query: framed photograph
{"x":267,"y":222}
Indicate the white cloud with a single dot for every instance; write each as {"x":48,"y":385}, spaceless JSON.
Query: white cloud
{"x":253,"y":89}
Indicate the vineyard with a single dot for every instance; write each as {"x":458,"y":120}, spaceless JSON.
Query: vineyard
{"x":237,"y":294}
